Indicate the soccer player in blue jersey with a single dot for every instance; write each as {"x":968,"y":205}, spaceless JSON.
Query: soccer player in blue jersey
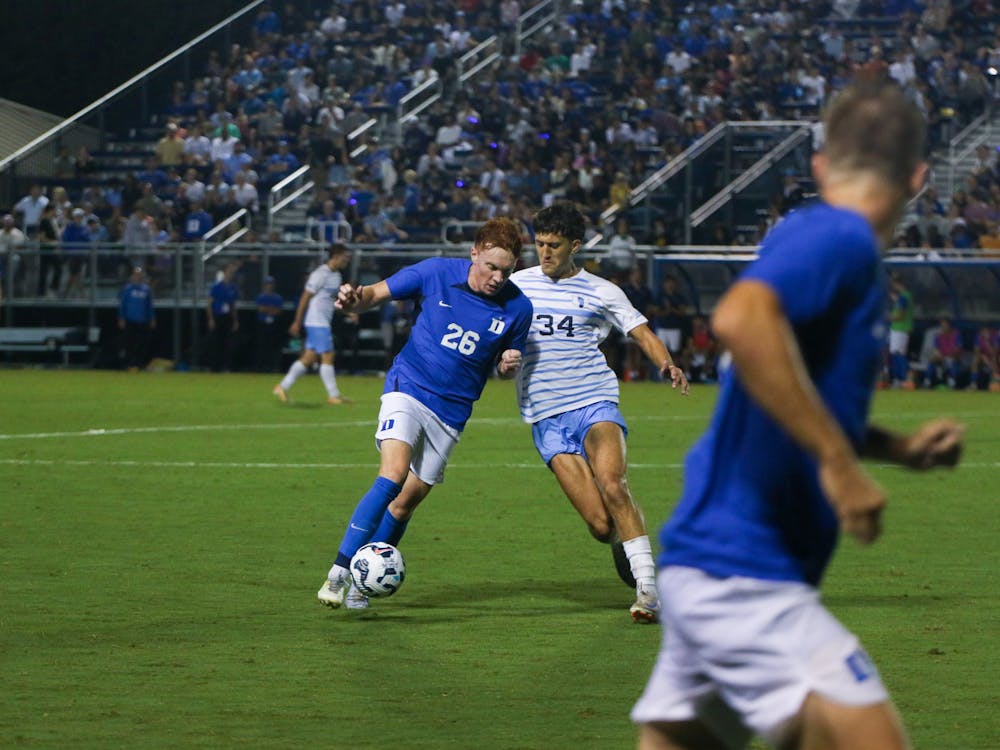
{"x":748,"y":648}
{"x":569,"y":395}
{"x":471,"y":323}
{"x":316,"y":306}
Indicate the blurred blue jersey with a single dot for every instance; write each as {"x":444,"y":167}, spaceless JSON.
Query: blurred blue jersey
{"x":457,"y":337}
{"x":752,"y":504}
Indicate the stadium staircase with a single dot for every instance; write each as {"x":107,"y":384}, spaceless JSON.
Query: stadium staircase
{"x":950,"y":167}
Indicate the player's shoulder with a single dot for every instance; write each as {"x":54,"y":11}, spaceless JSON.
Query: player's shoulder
{"x":840,"y":232}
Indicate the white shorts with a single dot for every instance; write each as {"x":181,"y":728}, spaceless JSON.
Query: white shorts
{"x":899,"y":342}
{"x":402,"y":417}
{"x":742,"y":654}
{"x":671,"y":338}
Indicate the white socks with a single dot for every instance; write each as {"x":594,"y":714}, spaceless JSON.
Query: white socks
{"x":296,"y":371}
{"x":338,"y":574}
{"x":640,"y":558}
{"x":329,"y":380}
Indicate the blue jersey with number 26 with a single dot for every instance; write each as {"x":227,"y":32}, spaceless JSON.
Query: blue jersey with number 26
{"x":457,"y":338}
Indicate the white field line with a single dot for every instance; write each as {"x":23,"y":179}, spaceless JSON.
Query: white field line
{"x":367,"y":465}
{"x":113,"y":431}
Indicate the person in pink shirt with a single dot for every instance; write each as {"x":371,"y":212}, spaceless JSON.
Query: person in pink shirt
{"x":986,"y":359}
{"x":947,"y":359}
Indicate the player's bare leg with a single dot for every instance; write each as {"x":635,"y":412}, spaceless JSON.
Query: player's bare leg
{"x":414,"y":491}
{"x":823,"y":724}
{"x":577,"y":482}
{"x":605,"y":445}
{"x":678,"y":735}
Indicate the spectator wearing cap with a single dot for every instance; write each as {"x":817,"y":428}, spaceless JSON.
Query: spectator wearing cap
{"x":269,"y":334}
{"x":170,"y":148}
{"x":136,"y":319}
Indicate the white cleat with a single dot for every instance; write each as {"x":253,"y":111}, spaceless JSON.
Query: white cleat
{"x":355,"y":599}
{"x":332,"y":593}
{"x":646,"y":609}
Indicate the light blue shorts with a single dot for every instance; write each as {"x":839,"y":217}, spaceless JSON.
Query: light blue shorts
{"x":565,"y":433}
{"x":319,"y":339}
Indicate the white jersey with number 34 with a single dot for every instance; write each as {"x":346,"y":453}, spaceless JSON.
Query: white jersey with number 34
{"x":563,"y":367}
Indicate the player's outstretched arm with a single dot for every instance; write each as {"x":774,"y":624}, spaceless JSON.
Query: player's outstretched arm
{"x":358,"y":299}
{"x":938,"y":442}
{"x":509,"y":364}
{"x":657,"y":353}
{"x":750,"y":322}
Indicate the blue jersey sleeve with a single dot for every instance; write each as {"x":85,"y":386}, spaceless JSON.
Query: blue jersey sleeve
{"x":410,"y":282}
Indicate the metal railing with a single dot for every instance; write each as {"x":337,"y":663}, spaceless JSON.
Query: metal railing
{"x":297,"y":184}
{"x":760,"y":167}
{"x":119,"y":108}
{"x":481,"y":56}
{"x":537,"y":19}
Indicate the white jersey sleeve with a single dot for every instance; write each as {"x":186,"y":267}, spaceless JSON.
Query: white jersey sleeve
{"x":323,"y":284}
{"x":563,"y":368}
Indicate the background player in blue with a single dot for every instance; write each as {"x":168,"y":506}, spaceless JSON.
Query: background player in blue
{"x":316,"y":308}
{"x":748,"y":648}
{"x":569,"y":394}
{"x":471,"y":322}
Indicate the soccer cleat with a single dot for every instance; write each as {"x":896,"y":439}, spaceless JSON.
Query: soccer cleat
{"x":338,"y":400}
{"x":645,"y":613}
{"x":280,"y":393}
{"x":622,"y":565}
{"x":355,"y":599}
{"x":646,"y":609}
{"x":332,"y":592}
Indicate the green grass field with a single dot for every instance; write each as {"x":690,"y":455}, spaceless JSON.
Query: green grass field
{"x":162,"y":538}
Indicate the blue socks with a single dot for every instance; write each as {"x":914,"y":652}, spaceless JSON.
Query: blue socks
{"x":371,"y":509}
{"x":391,"y":529}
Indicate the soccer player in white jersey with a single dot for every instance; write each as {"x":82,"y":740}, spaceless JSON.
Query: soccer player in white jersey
{"x":316,"y":306}
{"x":748,"y":647}
{"x":569,"y":395}
{"x":471,"y":323}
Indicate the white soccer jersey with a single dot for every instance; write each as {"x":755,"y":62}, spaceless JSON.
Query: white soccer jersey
{"x":563,"y":369}
{"x":324,"y":285}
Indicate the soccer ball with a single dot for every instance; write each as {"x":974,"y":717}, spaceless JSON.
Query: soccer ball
{"x":378,"y":569}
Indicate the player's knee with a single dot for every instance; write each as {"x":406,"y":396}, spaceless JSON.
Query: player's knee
{"x":615,"y":492}
{"x":601,"y":529}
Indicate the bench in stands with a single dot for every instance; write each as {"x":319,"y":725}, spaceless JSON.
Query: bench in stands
{"x":64,"y":341}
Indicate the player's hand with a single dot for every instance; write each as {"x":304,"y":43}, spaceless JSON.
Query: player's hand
{"x":935,"y":443}
{"x":510,"y":362}
{"x":677,"y":378}
{"x":348,"y":297}
{"x":294,"y":328}
{"x":855,"y":496}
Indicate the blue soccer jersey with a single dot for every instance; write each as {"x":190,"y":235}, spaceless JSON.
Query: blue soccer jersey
{"x":457,"y":337}
{"x":752,"y":504}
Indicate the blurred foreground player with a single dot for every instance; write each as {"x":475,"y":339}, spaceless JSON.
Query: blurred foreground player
{"x":748,"y":648}
{"x":471,"y":322}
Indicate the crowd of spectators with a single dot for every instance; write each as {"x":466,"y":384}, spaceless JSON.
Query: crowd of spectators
{"x":583,"y":111}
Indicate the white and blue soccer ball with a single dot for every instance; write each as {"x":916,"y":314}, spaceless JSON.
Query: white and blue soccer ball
{"x":378,"y":569}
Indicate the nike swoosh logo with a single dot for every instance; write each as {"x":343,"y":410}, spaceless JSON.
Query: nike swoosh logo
{"x":443,"y":304}
{"x":357,"y":528}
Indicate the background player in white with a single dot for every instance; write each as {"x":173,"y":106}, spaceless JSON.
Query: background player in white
{"x":471,"y":323}
{"x":569,"y":395}
{"x":316,"y":305}
{"x":748,"y":648}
